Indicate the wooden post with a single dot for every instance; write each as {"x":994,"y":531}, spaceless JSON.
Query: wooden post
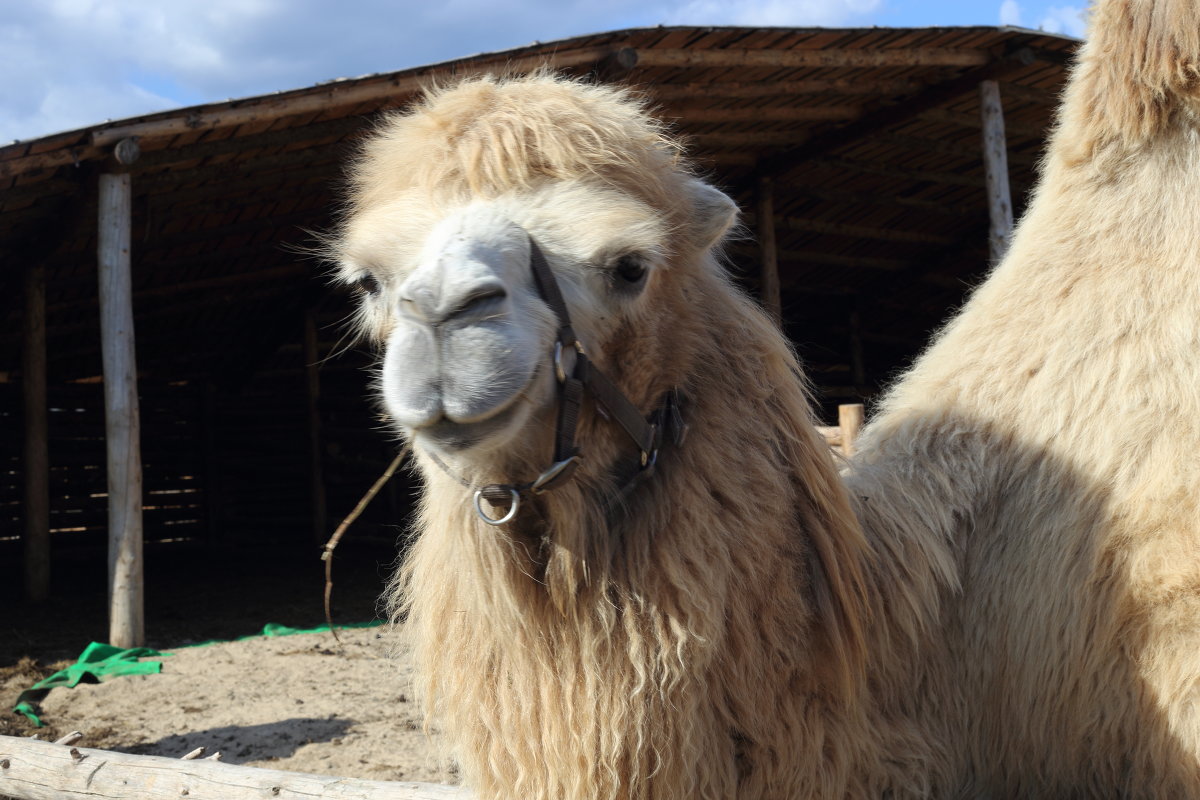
{"x":37,"y":454}
{"x":850,"y":421}
{"x":770,"y":255}
{"x":995,"y":166}
{"x":125,"y":583}
{"x":316,"y":472}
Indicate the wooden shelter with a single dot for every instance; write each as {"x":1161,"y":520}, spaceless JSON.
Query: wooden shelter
{"x":155,"y":266}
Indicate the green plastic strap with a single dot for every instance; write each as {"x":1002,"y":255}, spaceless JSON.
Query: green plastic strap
{"x":276,"y":629}
{"x":98,"y":662}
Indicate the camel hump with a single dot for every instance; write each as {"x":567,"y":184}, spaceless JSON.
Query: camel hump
{"x":1139,"y":68}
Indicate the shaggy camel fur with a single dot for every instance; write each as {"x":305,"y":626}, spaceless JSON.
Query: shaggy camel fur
{"x":1049,"y":436}
{"x":1015,"y":615}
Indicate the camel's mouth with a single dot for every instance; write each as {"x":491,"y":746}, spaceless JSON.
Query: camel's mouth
{"x":452,"y":436}
{"x":490,"y":430}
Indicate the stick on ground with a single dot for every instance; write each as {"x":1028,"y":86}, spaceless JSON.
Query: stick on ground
{"x":327,"y":552}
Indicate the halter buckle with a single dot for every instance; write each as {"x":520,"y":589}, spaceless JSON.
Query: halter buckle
{"x":559,"y":372}
{"x":557,"y":472}
{"x":512,"y":511}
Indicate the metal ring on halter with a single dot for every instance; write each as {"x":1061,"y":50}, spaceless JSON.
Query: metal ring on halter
{"x":559,"y":372}
{"x":512,"y":512}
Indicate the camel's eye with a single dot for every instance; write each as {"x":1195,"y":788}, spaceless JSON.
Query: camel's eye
{"x":368,"y":285}
{"x":631,"y":269}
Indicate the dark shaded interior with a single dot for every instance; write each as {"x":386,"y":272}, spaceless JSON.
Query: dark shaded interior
{"x":257,"y":425}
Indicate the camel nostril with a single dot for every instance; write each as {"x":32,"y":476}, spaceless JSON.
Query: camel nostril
{"x":477,"y":301}
{"x":482,"y":300}
{"x":420,"y":304}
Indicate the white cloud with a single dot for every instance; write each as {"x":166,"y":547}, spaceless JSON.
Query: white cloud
{"x":1071,"y":20}
{"x":773,"y":12}
{"x":1010,"y":13}
{"x":80,"y":62}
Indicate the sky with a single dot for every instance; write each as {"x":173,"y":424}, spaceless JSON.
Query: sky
{"x":73,"y":63}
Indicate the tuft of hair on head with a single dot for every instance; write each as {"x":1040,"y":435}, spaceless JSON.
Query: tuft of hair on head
{"x":1138,"y":70}
{"x":484,"y":136}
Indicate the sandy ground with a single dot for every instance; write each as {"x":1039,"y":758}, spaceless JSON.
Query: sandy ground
{"x":297,"y":702}
{"x":300,"y":703}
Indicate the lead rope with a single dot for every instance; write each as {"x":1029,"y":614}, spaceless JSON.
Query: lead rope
{"x":646,"y":433}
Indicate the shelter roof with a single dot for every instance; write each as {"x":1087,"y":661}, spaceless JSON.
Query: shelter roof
{"x":869,"y":136}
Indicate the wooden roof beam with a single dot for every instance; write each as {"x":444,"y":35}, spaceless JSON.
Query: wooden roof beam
{"x":741,"y":90}
{"x":270,"y":139}
{"x":969,"y":120}
{"x":805,"y":225}
{"x":690,"y":116}
{"x":750,"y":252}
{"x":926,"y":176}
{"x":818,"y":57}
{"x":858,"y":199}
{"x":870,"y":123}
{"x":968,"y":152}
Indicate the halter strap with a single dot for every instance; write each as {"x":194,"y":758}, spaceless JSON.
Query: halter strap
{"x":584,"y":374}
{"x":645,"y":432}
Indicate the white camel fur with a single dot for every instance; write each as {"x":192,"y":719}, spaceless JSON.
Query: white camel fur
{"x":999,"y":598}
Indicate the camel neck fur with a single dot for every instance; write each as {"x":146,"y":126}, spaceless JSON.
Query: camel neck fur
{"x":576,"y":638}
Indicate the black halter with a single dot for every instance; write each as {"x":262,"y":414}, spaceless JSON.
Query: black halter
{"x":645,"y":432}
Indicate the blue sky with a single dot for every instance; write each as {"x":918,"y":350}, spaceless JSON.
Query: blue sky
{"x":81,"y":62}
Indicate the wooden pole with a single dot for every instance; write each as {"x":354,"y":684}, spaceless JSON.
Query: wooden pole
{"x":125,"y":572}
{"x":850,"y":422}
{"x":37,"y":453}
{"x":770,"y":254}
{"x":312,"y":372}
{"x":995,"y":166}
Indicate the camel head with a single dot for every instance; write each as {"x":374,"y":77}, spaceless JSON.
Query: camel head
{"x":453,"y":203}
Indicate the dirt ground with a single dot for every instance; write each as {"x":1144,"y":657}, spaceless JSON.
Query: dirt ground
{"x":301,"y":702}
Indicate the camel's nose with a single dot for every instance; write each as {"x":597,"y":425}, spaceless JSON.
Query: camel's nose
{"x":455,"y":300}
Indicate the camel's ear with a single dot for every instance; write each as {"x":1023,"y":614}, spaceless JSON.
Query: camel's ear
{"x":713,"y":213}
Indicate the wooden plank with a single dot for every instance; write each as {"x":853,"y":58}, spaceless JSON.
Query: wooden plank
{"x":811,"y":257}
{"x":995,"y":164}
{"x":36,"y":464}
{"x":850,"y":421}
{"x":903,"y":235}
{"x":125,"y":578}
{"x":36,"y":770}
{"x":906,"y":174}
{"x":725,"y":90}
{"x":1036,"y":130}
{"x":762,"y":114}
{"x":769,"y":282}
{"x":831,"y":57}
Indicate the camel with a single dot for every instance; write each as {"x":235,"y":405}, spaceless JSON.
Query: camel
{"x":636,"y":571}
